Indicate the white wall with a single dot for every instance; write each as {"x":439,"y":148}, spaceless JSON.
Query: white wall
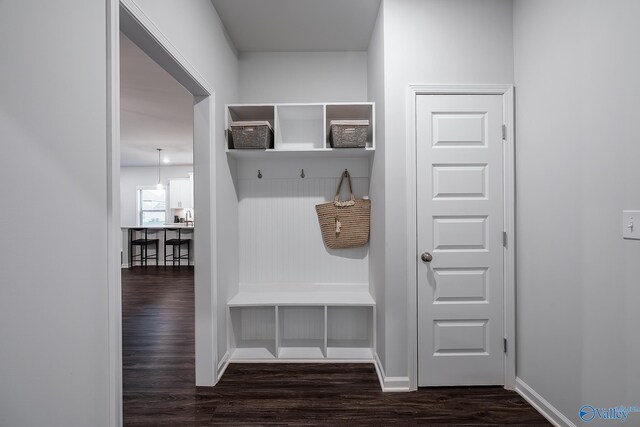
{"x":53,"y":307}
{"x":375,"y":90}
{"x":428,"y":42}
{"x":133,"y":176}
{"x":578,"y":97}
{"x":302,"y":77}
{"x":196,"y":31}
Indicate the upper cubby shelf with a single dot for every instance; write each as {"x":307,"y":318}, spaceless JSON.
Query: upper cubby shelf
{"x":302,"y":129}
{"x":299,"y":127}
{"x":350,"y":112}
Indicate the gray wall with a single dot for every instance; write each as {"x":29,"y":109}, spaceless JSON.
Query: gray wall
{"x":428,"y":42}
{"x":303,"y":77}
{"x":53,"y":296}
{"x":577,"y":99}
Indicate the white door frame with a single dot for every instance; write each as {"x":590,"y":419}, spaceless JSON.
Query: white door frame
{"x":127,"y":16}
{"x":507,"y":93}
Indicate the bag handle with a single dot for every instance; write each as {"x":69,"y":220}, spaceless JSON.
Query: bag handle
{"x":352,"y":200}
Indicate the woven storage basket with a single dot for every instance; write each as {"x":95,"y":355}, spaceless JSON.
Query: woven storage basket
{"x":349,"y":133}
{"x":256,"y":134}
{"x":345,"y":224}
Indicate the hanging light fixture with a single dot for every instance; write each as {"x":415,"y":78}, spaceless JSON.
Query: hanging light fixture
{"x":159,"y":185}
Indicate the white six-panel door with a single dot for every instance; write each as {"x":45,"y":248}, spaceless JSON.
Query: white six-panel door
{"x":460,"y":231}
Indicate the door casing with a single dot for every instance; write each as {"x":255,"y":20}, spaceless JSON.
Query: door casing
{"x":507,"y":93}
{"x":127,"y":16}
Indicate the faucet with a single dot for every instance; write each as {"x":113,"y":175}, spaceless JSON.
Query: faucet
{"x":188,"y":217}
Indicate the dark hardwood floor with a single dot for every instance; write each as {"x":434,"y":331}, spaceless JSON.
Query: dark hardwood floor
{"x":159,"y":378}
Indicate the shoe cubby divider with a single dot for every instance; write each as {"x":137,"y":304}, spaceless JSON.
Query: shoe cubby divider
{"x":302,"y":332}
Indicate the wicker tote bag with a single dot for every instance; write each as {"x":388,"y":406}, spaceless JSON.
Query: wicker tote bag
{"x":345,"y":224}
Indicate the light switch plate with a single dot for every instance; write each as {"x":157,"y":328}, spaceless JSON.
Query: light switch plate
{"x":631,"y":225}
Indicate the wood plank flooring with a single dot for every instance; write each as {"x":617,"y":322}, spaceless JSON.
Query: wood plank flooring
{"x":159,"y":378}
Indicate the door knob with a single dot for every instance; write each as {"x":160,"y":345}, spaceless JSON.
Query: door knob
{"x":426,"y":257}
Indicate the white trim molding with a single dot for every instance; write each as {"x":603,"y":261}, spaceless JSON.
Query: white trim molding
{"x":223,"y":365}
{"x":390,"y":384}
{"x":114,"y":286}
{"x":128,"y":17}
{"x":168,"y":56}
{"x":541,"y":405}
{"x":507,"y":93}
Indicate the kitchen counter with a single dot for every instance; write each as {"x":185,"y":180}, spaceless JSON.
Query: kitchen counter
{"x":155,"y":232}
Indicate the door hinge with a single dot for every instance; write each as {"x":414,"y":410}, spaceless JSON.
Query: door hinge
{"x":504,"y":132}
{"x":504,"y":239}
{"x":504,"y":341}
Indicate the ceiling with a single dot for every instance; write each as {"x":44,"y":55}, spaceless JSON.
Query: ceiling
{"x":299,"y":25}
{"x":156,"y":112}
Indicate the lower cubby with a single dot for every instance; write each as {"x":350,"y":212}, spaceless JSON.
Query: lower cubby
{"x":349,"y":332}
{"x":305,"y":332}
{"x":253,"y":332}
{"x":301,"y":333}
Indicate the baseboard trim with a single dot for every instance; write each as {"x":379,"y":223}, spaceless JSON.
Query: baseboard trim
{"x":549,"y":411}
{"x":391,"y":384}
{"x":224,"y":363}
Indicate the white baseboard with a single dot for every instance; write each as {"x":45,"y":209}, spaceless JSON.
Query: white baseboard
{"x":391,"y":384}
{"x":224,"y":363}
{"x":549,"y":411}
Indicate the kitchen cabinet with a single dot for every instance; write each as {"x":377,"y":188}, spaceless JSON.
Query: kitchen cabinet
{"x":181,"y":193}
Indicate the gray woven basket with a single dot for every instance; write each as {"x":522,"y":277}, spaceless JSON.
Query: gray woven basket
{"x":349,"y":133}
{"x":255,"y":134}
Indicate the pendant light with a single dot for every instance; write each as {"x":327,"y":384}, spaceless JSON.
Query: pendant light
{"x":159,"y":185}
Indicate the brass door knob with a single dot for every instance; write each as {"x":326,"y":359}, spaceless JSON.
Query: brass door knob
{"x":426,"y":257}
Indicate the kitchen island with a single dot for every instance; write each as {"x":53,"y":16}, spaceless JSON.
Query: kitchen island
{"x":157,"y":232}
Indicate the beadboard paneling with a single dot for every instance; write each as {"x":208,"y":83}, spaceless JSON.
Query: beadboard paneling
{"x":254,"y":323}
{"x":290,"y":167}
{"x":349,"y":323}
{"x":302,"y":323}
{"x":280,"y":239}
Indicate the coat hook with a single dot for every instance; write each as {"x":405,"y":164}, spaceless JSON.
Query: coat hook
{"x":259,"y":174}
{"x":346,"y":173}
{"x":302,"y":175}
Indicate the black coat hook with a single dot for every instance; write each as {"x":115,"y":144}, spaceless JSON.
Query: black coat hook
{"x":302,"y":175}
{"x":259,"y":174}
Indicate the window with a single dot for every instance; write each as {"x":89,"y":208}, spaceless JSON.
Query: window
{"x":152,"y":206}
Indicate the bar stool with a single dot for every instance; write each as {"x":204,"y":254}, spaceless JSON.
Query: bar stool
{"x":176,"y":242}
{"x":144,"y":243}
